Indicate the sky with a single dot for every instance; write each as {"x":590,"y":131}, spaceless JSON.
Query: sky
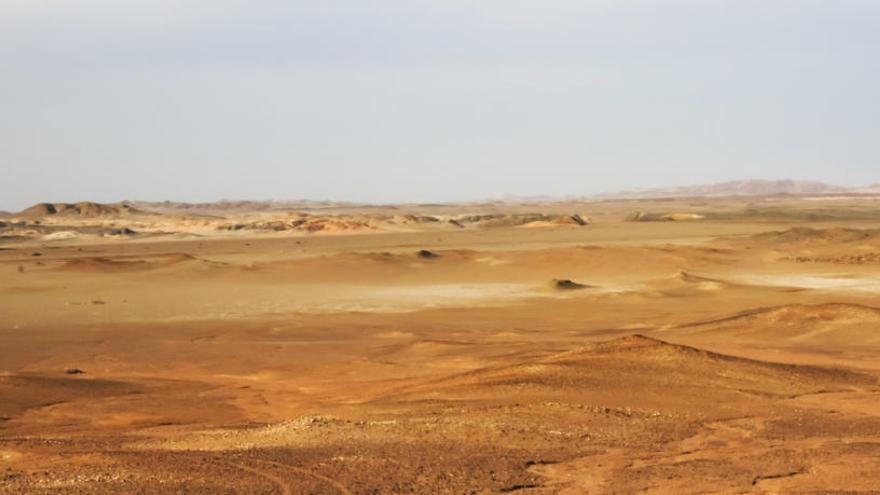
{"x":442,"y":100}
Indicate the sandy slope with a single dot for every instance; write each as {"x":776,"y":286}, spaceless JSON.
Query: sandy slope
{"x":687,"y":356}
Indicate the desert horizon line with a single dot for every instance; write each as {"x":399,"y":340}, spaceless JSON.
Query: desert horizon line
{"x":743,"y":187}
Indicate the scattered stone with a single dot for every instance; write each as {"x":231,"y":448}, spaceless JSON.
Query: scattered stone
{"x":74,"y":371}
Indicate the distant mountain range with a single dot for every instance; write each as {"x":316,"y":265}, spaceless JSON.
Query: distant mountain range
{"x":234,"y":205}
{"x":720,"y":189}
{"x":742,"y":188}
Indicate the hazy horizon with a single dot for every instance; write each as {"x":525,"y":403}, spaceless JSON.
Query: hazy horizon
{"x":500,"y":197}
{"x":418,"y":101}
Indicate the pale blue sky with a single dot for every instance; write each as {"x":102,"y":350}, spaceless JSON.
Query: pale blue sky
{"x":415,"y":100}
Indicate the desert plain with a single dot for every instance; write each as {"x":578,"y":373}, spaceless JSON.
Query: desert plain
{"x":687,"y":345}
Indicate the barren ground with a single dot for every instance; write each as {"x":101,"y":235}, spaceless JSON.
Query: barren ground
{"x":733,"y":349}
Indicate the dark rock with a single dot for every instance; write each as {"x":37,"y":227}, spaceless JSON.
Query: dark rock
{"x":566,"y":284}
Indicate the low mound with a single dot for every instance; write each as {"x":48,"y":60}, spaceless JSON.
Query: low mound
{"x":173,"y":259}
{"x":307,"y":224}
{"x":643,"y":216}
{"x":690,"y":278}
{"x":566,"y":284}
{"x":686,"y":283}
{"x":413,"y":219}
{"x":639,"y":371}
{"x":39,"y":210}
{"x":110,"y":265}
{"x":431,"y":353}
{"x":835,"y":323}
{"x":520,"y":220}
{"x":103,"y":265}
{"x":122,"y":232}
{"x":384,"y":258}
{"x":81,"y":209}
{"x":799,"y":313}
{"x":325,"y":222}
{"x":823,"y":236}
{"x":64,"y":235}
{"x":21,"y":392}
{"x":570,"y":220}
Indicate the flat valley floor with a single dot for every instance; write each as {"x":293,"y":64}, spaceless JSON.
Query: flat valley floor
{"x":736,"y":353}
